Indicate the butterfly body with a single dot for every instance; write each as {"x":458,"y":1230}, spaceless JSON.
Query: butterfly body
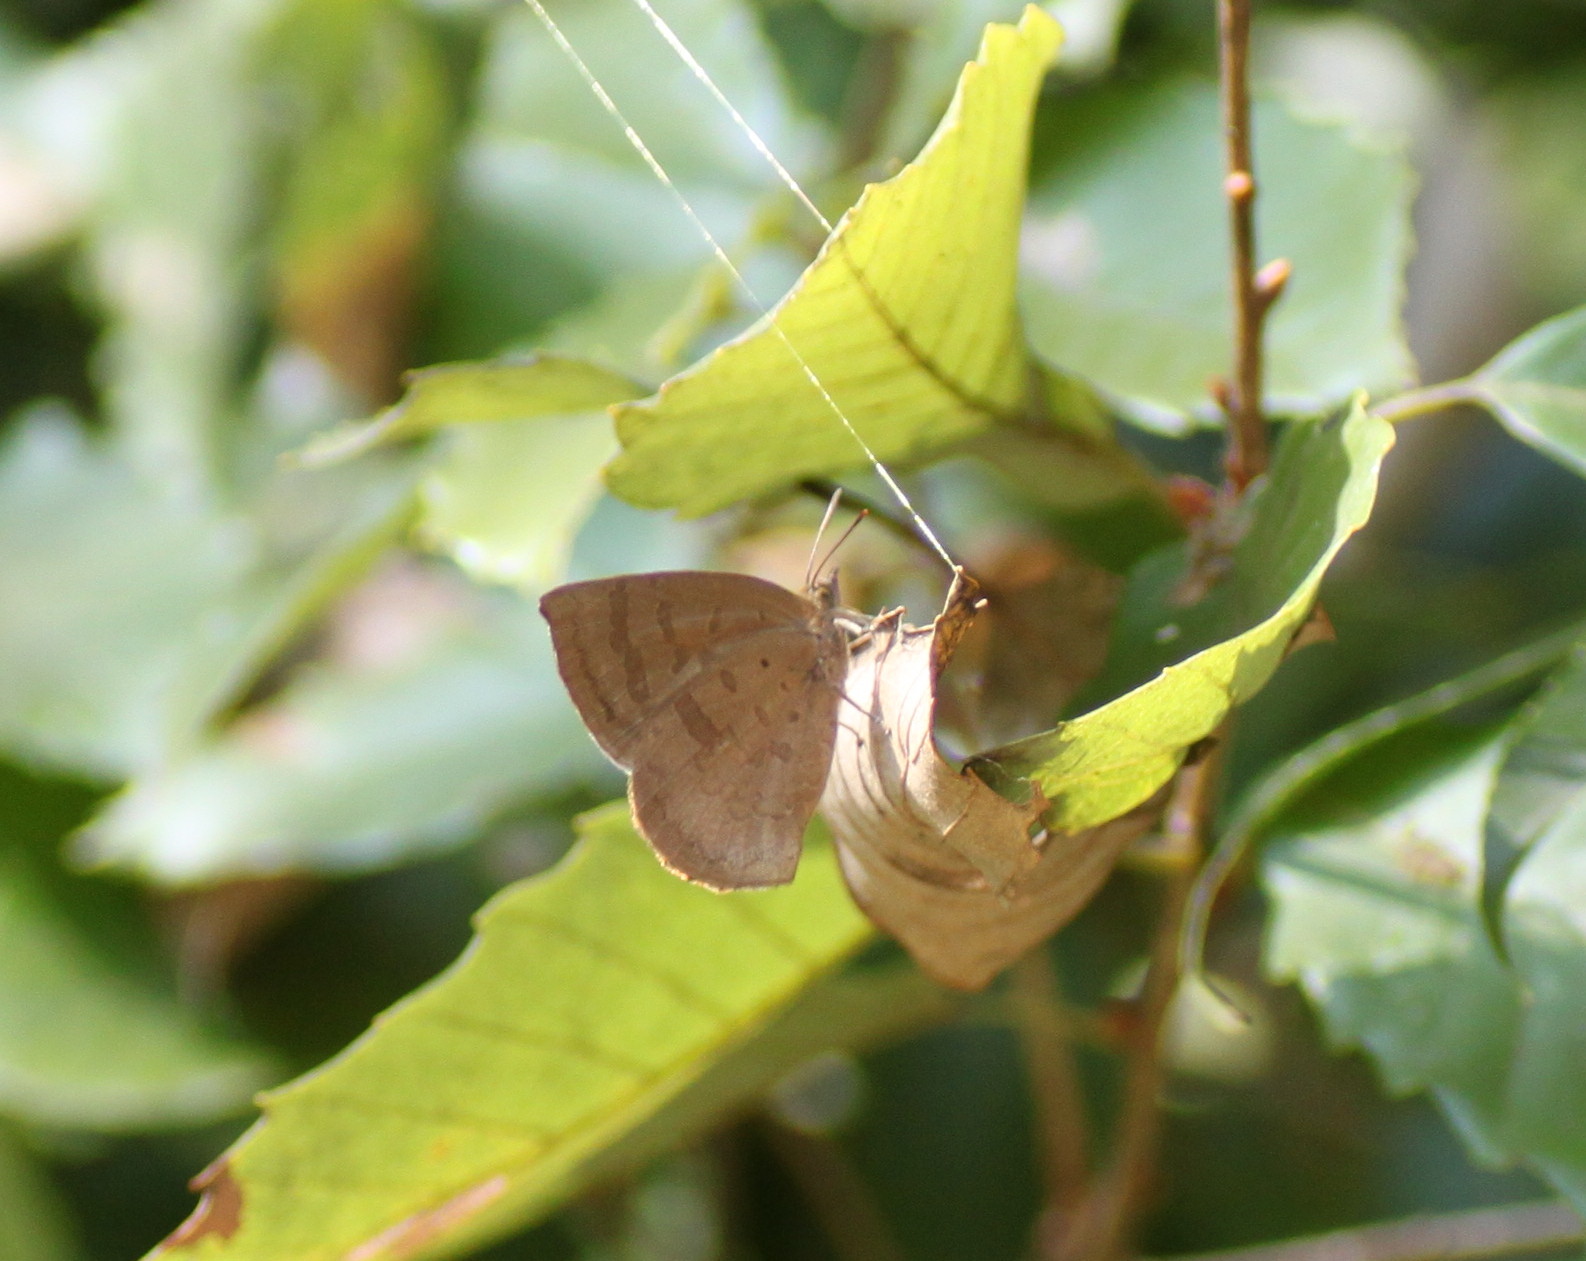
{"x":718,"y":693}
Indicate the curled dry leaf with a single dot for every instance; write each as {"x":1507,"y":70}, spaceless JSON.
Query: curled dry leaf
{"x":931,"y":853}
{"x":1044,"y":635}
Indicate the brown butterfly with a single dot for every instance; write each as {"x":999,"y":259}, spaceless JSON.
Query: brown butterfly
{"x":718,"y":694}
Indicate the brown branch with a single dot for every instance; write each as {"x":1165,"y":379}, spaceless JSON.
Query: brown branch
{"x":1046,"y":1038}
{"x":1483,"y":1232}
{"x":1103,"y":1227}
{"x":1253,"y":293}
{"x":838,"y":1196}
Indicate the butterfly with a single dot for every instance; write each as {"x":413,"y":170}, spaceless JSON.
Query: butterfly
{"x":718,"y":693}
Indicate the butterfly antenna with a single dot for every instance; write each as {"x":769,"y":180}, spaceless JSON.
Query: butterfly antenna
{"x":811,"y":569}
{"x":656,"y":169}
{"x":842,"y":538}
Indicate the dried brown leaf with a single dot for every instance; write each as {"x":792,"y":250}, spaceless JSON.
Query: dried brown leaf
{"x":931,"y":854}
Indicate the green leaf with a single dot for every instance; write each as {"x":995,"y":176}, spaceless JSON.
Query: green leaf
{"x":1536,"y":387}
{"x":80,"y":972}
{"x":1541,"y":785}
{"x":349,"y":768}
{"x":506,"y":501}
{"x":512,"y":485}
{"x":33,"y":1222}
{"x":1105,"y":762}
{"x":1125,"y":251}
{"x":594,"y":998}
{"x":129,"y":615}
{"x":917,"y":357}
{"x":1374,"y":880}
{"x":479,"y":393}
{"x":1298,"y":774}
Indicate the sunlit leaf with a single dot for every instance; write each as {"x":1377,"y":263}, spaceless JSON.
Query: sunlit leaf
{"x":481,"y":1101}
{"x":1537,"y":387}
{"x":1125,"y":251}
{"x":917,"y":356}
{"x":128,"y":615}
{"x":511,"y":486}
{"x":352,"y":767}
{"x":1105,"y":762}
{"x":1375,"y":883}
{"x":479,"y":393}
{"x":79,"y":973}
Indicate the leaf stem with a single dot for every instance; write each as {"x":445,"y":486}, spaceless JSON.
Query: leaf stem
{"x":1431,"y":398}
{"x":1483,"y":1232}
{"x":1103,"y":1227}
{"x":1046,"y":1037}
{"x":1253,"y":292}
{"x":855,"y":1226}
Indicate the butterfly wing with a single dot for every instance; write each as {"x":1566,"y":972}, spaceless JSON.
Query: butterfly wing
{"x":729,"y":770}
{"x":623,"y":645}
{"x":719,"y":694}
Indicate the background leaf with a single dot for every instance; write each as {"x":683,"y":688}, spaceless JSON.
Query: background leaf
{"x":33,"y":1221}
{"x":128,"y":615}
{"x":478,"y":1102}
{"x":552,"y":208}
{"x":363,"y":86}
{"x":1540,"y":784}
{"x":359,"y":764}
{"x":1125,"y":249}
{"x":1537,"y":388}
{"x":1375,"y":883}
{"x":80,"y":972}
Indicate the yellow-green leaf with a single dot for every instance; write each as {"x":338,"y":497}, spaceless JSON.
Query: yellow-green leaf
{"x":907,"y":318}
{"x":1109,"y":760}
{"x":593,"y":998}
{"x":471,"y":393}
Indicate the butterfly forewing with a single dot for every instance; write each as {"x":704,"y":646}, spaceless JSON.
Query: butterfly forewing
{"x":719,"y":694}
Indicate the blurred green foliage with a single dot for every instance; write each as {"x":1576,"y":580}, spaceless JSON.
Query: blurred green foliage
{"x":271,"y":731}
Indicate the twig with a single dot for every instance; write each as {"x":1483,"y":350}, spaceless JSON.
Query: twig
{"x":1103,"y":1228}
{"x":1253,"y":293}
{"x":1046,"y":1039}
{"x":836,"y":1193}
{"x":1482,"y":1232}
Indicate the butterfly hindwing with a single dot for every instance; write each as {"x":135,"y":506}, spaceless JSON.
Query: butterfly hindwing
{"x":719,"y":694}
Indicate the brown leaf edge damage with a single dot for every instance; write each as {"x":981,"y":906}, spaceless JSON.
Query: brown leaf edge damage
{"x":411,"y":1234}
{"x":219,"y":1210}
